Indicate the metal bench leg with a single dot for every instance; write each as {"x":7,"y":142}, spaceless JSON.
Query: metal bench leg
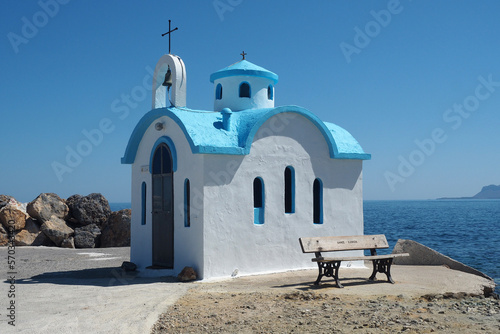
{"x":382,"y":266}
{"x":327,"y":269}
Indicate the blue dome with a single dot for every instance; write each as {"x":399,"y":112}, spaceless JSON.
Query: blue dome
{"x":244,"y":68}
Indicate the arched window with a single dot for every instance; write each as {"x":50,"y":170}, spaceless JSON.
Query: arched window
{"x":187,"y":203}
{"x":270,"y":92}
{"x":218,"y":92}
{"x":258,"y":201}
{"x":289,"y":190}
{"x":143,"y":203}
{"x":244,"y":89}
{"x":162,"y":161}
{"x":318,"y":201}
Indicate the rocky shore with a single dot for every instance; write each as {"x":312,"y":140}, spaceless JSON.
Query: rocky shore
{"x":75,"y":222}
{"x":312,"y":312}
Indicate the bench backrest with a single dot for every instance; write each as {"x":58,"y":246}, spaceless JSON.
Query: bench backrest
{"x":330,"y":244}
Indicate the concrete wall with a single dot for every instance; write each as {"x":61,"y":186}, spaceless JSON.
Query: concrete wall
{"x":188,"y":241}
{"x":232,"y":240}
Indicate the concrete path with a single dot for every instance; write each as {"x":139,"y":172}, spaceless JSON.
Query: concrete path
{"x":84,"y":291}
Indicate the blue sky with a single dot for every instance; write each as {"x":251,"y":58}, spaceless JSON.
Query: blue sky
{"x":416,"y":82}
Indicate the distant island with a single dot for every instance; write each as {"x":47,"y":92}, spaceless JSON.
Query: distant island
{"x":488,"y":192}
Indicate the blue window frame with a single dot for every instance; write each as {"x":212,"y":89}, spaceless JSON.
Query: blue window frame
{"x":289,"y":190}
{"x":218,"y":92}
{"x":270,"y":92}
{"x":318,"y":201}
{"x":187,"y":203}
{"x":245,"y":89}
{"x":143,"y":203}
{"x":258,"y":201}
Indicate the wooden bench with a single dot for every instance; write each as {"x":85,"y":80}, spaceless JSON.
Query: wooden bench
{"x":329,"y":266}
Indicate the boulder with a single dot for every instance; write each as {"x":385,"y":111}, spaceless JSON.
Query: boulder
{"x":57,"y":230}
{"x":4,"y":200}
{"x":91,"y":209}
{"x":68,"y":243}
{"x":12,"y":217}
{"x":47,"y":205}
{"x":87,"y":236}
{"x":116,"y":231}
{"x":31,"y":235}
{"x":187,"y":274}
{"x":128,"y":266}
{"x":4,"y":237}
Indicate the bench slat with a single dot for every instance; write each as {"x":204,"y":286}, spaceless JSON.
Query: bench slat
{"x":331,"y":244}
{"x":359,"y":258}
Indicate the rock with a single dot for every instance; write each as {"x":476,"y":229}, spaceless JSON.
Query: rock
{"x":86,"y":210}
{"x":57,"y":230}
{"x":47,"y":205}
{"x":116,"y":232}
{"x":129,"y":266}
{"x":68,"y":243}
{"x":4,"y":237}
{"x":11,"y":217}
{"x":4,"y":200}
{"x":87,"y":236}
{"x":187,"y":274}
{"x":31,"y":235}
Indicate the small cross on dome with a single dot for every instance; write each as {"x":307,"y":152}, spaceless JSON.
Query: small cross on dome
{"x":243,"y":54}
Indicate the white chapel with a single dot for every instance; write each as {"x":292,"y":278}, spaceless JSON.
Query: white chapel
{"x":231,"y":190}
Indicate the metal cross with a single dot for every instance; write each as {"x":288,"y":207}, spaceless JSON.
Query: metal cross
{"x":168,"y":32}
{"x":243,"y":54}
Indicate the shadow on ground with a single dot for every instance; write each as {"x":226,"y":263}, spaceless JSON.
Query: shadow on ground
{"x":107,"y":276}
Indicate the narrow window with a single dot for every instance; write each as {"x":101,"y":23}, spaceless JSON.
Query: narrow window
{"x":218,"y":92}
{"x":187,"y":203}
{"x":289,"y":190}
{"x":143,"y":203}
{"x":270,"y":92}
{"x":244,"y":89}
{"x":318,"y":201}
{"x":258,"y":201}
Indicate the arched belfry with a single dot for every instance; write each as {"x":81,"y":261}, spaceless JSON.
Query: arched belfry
{"x":176,"y":95}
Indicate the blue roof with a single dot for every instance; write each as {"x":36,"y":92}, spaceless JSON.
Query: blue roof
{"x":205,"y":133}
{"x":244,"y":68}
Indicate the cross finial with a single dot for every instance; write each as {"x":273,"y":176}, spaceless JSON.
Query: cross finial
{"x":168,"y":33}
{"x":243,"y":54}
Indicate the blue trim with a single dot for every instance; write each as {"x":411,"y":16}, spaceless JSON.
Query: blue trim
{"x":291,"y":190}
{"x":187,"y":203}
{"x":249,"y":89}
{"x":164,"y":140}
{"x":205,"y":137}
{"x":258,"y":212}
{"x":318,"y":197}
{"x":244,"y":68}
{"x":218,"y":92}
{"x":143,"y":203}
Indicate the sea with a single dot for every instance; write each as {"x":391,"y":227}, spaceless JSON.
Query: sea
{"x":465,"y":230}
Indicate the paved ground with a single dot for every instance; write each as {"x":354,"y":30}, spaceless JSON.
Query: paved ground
{"x":84,"y":291}
{"x":81,"y":291}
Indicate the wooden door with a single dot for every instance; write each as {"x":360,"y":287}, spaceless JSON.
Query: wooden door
{"x":163,"y":208}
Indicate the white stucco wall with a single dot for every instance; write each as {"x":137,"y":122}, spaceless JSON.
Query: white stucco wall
{"x":230,"y":93}
{"x":188,"y":241}
{"x":232,"y":240}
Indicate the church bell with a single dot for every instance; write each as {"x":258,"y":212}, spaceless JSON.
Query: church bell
{"x":168,"y":79}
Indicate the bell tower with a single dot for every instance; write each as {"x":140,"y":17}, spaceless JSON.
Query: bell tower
{"x":169,"y":75}
{"x":169,"y":82}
